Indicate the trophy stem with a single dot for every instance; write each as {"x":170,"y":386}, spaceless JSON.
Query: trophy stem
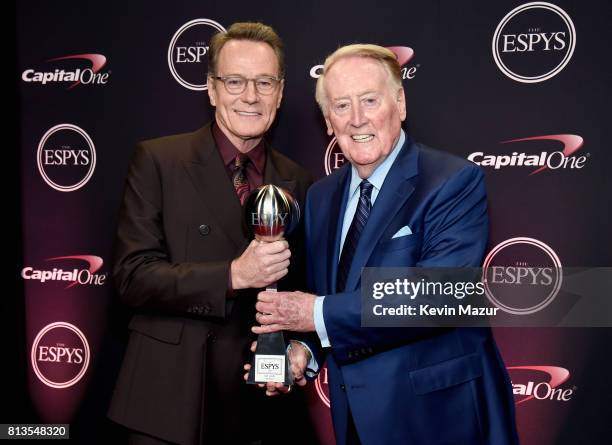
{"x":271,"y":288}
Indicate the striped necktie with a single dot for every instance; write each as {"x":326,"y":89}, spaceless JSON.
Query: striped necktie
{"x":239,"y":179}
{"x":353,"y":234}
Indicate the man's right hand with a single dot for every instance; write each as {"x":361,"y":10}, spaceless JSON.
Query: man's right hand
{"x":260,"y":264}
{"x":298,"y":358}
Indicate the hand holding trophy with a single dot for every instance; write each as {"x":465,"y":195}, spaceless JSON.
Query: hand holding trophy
{"x":271,"y":213}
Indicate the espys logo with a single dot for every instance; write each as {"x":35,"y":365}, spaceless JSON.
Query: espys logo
{"x":77,"y":76}
{"x":66,"y":157}
{"x":322,"y":386}
{"x":404,"y":55}
{"x":60,"y":355}
{"x":522,"y":275}
{"x":187,"y":53}
{"x":564,"y":159}
{"x":334,"y":159}
{"x":74,"y":276}
{"x":534,"y":42}
{"x":540,"y":383}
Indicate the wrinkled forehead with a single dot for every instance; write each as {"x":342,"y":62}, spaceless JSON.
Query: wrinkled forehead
{"x":355,"y":76}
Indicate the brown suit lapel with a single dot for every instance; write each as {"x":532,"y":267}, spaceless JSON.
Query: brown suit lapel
{"x":208,"y":175}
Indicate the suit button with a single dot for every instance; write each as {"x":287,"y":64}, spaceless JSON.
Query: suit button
{"x":211,"y":336}
{"x":343,"y":388}
{"x":204,"y":229}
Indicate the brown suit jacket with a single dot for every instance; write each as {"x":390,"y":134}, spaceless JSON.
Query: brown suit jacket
{"x":180,"y":226}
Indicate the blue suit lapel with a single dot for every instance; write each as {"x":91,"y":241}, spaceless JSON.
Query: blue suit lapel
{"x":395,"y":191}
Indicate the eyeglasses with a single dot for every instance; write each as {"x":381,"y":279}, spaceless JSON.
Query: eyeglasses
{"x":237,"y":84}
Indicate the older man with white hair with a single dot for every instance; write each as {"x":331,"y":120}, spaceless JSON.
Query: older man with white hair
{"x":396,"y":203}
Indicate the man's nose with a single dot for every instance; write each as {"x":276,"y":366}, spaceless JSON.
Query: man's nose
{"x":249,"y":95}
{"x":357,"y":115}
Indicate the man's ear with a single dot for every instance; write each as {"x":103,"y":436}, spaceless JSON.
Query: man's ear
{"x":330,"y":130}
{"x":280,"y":93}
{"x":212,"y":93}
{"x":401,"y":103}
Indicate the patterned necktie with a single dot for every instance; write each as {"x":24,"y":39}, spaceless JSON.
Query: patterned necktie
{"x":353,"y":234}
{"x":239,"y":179}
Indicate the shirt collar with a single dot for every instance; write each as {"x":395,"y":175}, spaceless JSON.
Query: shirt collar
{"x":377,"y":178}
{"x":257,"y":155}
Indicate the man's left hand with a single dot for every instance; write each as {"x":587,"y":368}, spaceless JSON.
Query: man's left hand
{"x":284,"y":311}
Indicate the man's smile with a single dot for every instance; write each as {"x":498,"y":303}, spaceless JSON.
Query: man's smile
{"x":362,"y":137}
{"x":247,"y":113}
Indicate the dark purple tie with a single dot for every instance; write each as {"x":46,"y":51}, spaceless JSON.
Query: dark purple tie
{"x":239,"y":179}
{"x":353,"y":234}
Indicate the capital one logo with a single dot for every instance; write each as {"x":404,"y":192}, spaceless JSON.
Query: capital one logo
{"x":522,"y":275}
{"x":534,"y":42}
{"x":404,"y":54}
{"x":66,"y":157}
{"x":92,"y":75}
{"x":188,"y":53}
{"x":528,"y":383}
{"x":540,"y":383}
{"x":60,"y":355}
{"x":539,"y":160}
{"x":73,"y":276}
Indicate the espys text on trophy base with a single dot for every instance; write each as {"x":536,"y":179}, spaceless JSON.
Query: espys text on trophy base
{"x":271,"y":212}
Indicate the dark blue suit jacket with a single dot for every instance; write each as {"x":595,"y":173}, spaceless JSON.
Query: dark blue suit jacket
{"x":408,"y":385}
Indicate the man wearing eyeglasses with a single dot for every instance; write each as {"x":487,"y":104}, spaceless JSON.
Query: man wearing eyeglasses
{"x":184,"y":262}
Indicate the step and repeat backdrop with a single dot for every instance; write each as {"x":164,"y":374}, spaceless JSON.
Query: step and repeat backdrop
{"x":519,"y":88}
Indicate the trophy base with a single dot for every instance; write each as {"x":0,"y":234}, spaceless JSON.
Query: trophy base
{"x":270,"y":362}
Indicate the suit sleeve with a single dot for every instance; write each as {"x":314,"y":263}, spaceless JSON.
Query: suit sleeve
{"x":143,"y":272}
{"x":455,"y":235}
